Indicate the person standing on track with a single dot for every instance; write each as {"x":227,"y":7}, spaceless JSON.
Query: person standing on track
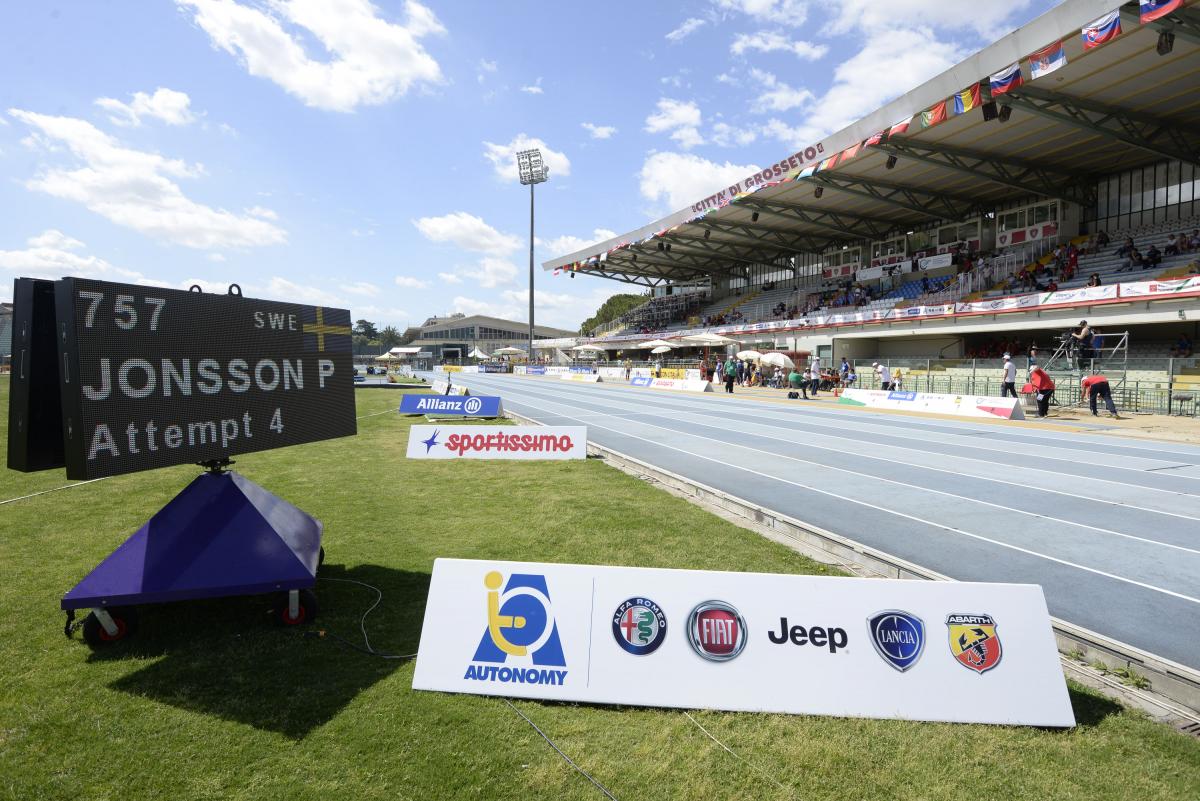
{"x":1096,"y":386}
{"x":814,"y":374}
{"x":1010,"y":377}
{"x":1043,"y":385}
{"x":885,"y":376}
{"x":730,"y":374}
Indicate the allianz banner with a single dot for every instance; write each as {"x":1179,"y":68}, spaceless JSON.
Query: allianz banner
{"x":470,"y":406}
{"x":497,"y":442}
{"x":883,"y":648}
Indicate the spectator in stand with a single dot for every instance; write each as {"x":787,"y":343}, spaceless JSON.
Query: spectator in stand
{"x":1102,"y":239}
{"x":1052,"y":286}
{"x":1132,"y":259}
{"x":1043,"y":386}
{"x":1194,"y":240}
{"x":1153,"y":258}
{"x":849,"y":379}
{"x":1096,"y":386}
{"x":1172,"y":248}
{"x":1094,"y":280}
{"x":1126,"y":248}
{"x":897,"y":380}
{"x":1183,"y":347}
{"x":885,"y":375}
{"x":1009,"y":384}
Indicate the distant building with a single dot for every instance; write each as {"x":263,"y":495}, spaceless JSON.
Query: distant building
{"x":6,"y":320}
{"x":456,"y":336}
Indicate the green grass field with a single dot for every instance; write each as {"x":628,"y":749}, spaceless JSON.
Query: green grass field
{"x":212,"y":702}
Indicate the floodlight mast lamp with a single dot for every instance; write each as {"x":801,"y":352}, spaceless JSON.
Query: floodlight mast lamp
{"x":532,"y":171}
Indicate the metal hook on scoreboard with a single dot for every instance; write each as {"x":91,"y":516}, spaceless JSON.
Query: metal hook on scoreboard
{"x":232,"y":287}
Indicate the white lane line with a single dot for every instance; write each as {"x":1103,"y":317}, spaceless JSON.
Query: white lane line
{"x":1055,"y":473}
{"x":858,"y":502}
{"x":872,"y":477}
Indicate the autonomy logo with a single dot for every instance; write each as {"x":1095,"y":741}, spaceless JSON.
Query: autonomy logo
{"x":974,"y":642}
{"x":520,"y":623}
{"x":639,"y":626}
{"x":716,"y":631}
{"x":898,"y":637}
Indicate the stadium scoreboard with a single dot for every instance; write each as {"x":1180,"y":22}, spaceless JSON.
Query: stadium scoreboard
{"x":150,"y":377}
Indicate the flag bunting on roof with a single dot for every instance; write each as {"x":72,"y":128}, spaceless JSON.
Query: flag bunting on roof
{"x":1155,"y":9}
{"x":850,"y":152}
{"x":1006,"y":79}
{"x":1047,"y":60}
{"x":899,"y":128}
{"x":966,"y":100}
{"x":934,"y":116}
{"x":874,"y":139}
{"x":829,"y":163}
{"x":1102,"y":31}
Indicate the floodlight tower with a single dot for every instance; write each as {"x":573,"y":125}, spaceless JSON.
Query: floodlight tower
{"x":532,"y":171}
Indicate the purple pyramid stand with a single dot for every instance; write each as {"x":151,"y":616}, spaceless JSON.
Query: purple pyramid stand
{"x":223,"y":535}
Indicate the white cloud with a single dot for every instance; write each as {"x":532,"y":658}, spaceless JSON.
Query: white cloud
{"x":685,"y":29}
{"x":284,"y":289}
{"x":791,"y":13}
{"x":560,"y":246}
{"x":217,"y":257}
{"x":53,"y":254}
{"x":135,"y":189}
{"x":364,"y":288}
{"x":681,"y":119}
{"x":383,"y":316}
{"x":371,"y":61}
{"x":471,"y":306}
{"x":771,"y":41}
{"x":890,"y":63}
{"x":684,"y":178}
{"x":485,"y":68}
{"x":777,"y":95}
{"x":988,"y":18}
{"x":467,"y":232}
{"x":599,"y":131}
{"x":408,"y":282}
{"x":491,"y":272}
{"x":725,"y":135}
{"x":504,"y":157}
{"x":450,"y":278}
{"x":261,"y":211}
{"x":533,"y":89}
{"x":165,"y":104}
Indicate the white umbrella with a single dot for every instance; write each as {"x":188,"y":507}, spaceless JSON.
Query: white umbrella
{"x":595,"y":348}
{"x":709,"y":339}
{"x":662,"y":349}
{"x":387,"y":357}
{"x":509,"y":352}
{"x":478,"y":354}
{"x":752,"y":355}
{"x":778,"y":360}
{"x":656,"y":343}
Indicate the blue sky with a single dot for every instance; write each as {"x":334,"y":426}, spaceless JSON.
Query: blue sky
{"x":358,"y":154}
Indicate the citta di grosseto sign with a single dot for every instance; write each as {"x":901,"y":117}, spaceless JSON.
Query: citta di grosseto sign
{"x":151,"y":377}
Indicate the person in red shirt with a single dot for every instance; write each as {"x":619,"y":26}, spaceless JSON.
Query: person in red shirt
{"x":1043,"y":385}
{"x":1096,"y":386}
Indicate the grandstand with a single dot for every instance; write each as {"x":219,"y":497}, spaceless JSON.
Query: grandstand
{"x":910,"y":232}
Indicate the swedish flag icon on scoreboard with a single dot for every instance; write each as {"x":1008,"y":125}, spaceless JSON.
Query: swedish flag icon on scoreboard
{"x":326,"y":330}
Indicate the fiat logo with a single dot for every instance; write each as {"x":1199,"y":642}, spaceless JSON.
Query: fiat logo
{"x":716,"y":631}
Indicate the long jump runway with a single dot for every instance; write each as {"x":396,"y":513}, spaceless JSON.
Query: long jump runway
{"x":1108,"y":526}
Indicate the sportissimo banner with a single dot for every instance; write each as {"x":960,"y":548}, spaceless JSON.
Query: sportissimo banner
{"x":497,"y":442}
{"x":882,"y":648}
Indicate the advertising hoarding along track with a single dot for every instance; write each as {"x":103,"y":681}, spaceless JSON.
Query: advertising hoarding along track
{"x":933,"y":403}
{"x":953,"y":651}
{"x":497,"y":442}
{"x":452,"y":405}
{"x":153,"y":377}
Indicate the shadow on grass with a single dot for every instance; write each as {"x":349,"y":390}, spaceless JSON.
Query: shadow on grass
{"x":225,"y":658}
{"x":1091,"y":707}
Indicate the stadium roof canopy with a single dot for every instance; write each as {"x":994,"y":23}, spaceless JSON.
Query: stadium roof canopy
{"x":1110,"y":108}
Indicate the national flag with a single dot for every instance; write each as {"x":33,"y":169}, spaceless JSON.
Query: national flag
{"x":966,"y":100}
{"x":1047,"y":60}
{"x":1102,"y":31}
{"x":1006,"y":79}
{"x":899,"y":128}
{"x":874,"y":139}
{"x":934,"y":116}
{"x":557,"y":270}
{"x":829,"y":163}
{"x":1154,"y":9}
{"x":806,"y":172}
{"x":850,"y":152}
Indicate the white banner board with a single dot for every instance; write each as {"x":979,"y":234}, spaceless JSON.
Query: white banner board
{"x":681,"y":384}
{"x":585,"y":378}
{"x":440,"y":387}
{"x":497,"y":442}
{"x":612,"y":372}
{"x":934,"y":403}
{"x":883,"y":648}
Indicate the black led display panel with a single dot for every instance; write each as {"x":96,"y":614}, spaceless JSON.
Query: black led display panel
{"x":158,"y":377}
{"x":34,"y":410}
